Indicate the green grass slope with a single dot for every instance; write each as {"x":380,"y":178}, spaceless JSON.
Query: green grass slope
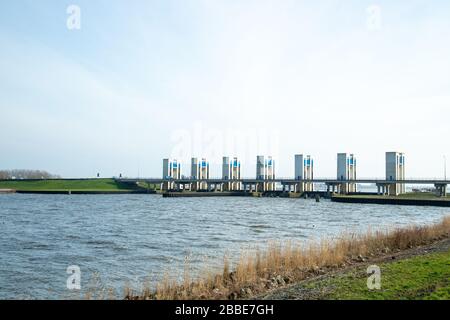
{"x":63,"y":185}
{"x":419,"y":278}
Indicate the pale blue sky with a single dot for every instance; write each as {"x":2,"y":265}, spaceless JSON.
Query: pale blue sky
{"x":143,"y":80}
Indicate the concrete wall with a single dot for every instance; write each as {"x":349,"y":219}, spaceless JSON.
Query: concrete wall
{"x":299,"y":166}
{"x":265,"y":170}
{"x":395,"y":170}
{"x":226,"y":174}
{"x":346,"y":170}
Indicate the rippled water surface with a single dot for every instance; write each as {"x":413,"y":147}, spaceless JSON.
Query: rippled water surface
{"x":127,"y":240}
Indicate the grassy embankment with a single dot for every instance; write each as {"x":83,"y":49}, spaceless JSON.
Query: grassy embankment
{"x":419,"y":278}
{"x":258,"y":272}
{"x":421,"y":195}
{"x":63,"y":185}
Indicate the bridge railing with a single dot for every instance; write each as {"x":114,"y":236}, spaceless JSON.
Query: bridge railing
{"x":291,"y":179}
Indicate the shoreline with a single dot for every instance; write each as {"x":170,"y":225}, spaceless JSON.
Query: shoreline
{"x":3,"y":191}
{"x":340,"y":283}
{"x":74,"y":186}
{"x":281,"y":265}
{"x":94,"y":192}
{"x":111,"y":186}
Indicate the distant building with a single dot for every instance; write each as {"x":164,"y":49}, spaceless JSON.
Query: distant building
{"x":171,"y":170}
{"x":231,"y":170}
{"x":304,"y":170}
{"x":395,"y":171}
{"x":265,"y":170}
{"x":199,"y":171}
{"x":346,"y":171}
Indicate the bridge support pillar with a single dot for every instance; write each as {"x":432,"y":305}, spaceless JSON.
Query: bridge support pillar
{"x":382,"y":189}
{"x":441,"y":189}
{"x":393,"y":190}
{"x":260,"y":187}
{"x":342,"y":188}
{"x":168,"y":185}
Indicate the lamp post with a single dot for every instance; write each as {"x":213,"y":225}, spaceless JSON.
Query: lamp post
{"x":445,"y":168}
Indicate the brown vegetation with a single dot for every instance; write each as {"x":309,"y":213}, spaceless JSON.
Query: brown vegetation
{"x":280,"y":264}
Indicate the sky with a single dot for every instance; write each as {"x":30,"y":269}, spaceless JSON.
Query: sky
{"x":140,"y":81}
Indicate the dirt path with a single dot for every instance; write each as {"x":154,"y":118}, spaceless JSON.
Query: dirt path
{"x":298,"y":291}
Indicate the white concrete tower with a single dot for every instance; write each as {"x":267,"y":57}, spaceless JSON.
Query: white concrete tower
{"x":395,"y":170}
{"x":346,"y":171}
{"x":231,"y":171}
{"x":199,"y":171}
{"x":171,"y":170}
{"x":265,"y":170}
{"x":304,"y":170}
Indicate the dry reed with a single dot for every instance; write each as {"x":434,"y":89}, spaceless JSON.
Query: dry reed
{"x":281,"y":263}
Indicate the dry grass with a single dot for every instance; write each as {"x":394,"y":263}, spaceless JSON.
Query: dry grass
{"x":282,"y":263}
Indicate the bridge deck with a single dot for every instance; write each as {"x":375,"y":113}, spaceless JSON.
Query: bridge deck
{"x":286,"y":181}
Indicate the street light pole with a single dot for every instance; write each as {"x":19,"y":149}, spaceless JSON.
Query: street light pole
{"x":445,"y":168}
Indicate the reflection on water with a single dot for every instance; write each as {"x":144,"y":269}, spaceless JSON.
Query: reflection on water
{"x":131,"y":239}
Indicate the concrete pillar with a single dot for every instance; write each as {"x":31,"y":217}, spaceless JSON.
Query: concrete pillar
{"x":441,"y":190}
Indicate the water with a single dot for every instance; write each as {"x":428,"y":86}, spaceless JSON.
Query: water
{"x":127,"y":240}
